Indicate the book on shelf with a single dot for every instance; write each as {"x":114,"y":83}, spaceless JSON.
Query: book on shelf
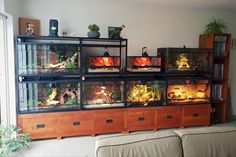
{"x":217,"y":92}
{"x":219,"y":71}
{"x":219,"y":45}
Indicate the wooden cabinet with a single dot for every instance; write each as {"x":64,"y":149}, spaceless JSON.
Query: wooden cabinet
{"x":168,"y":117}
{"x":194,"y":115}
{"x":140,"y":119}
{"x":39,"y":126}
{"x":108,"y":121}
{"x":63,"y":124}
{"x":75,"y":123}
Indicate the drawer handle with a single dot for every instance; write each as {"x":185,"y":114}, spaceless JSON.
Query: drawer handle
{"x":169,"y":117}
{"x":76,"y":123}
{"x":40,"y":126}
{"x":109,"y":121}
{"x":141,"y":119}
{"x":196,"y":115}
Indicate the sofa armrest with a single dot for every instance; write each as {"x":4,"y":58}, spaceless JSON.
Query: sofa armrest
{"x":158,"y":144}
{"x":208,"y":142}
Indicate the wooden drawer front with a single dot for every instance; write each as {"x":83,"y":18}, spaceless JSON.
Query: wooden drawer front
{"x":108,"y":123}
{"x":196,"y":115}
{"x":75,"y":125}
{"x":196,"y":110}
{"x":168,"y":117}
{"x":40,"y":127}
{"x":140,"y":120}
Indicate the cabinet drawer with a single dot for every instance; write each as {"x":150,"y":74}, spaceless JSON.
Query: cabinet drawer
{"x":80,"y":124}
{"x":196,"y":110}
{"x":140,"y":120}
{"x":39,"y":127}
{"x":108,"y":122}
{"x":168,"y":117}
{"x":196,"y":115}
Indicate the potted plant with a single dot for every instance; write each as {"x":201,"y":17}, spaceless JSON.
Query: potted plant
{"x":94,"y":31}
{"x":12,"y":140}
{"x":216,"y":26}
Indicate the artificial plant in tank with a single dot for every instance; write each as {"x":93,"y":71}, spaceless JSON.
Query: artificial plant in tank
{"x":216,"y":26}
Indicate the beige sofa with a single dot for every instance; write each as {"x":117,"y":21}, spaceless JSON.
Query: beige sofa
{"x":194,"y":142}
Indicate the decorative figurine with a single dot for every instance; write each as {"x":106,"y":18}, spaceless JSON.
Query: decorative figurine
{"x":183,"y":62}
{"x":29,"y":29}
{"x":53,"y":27}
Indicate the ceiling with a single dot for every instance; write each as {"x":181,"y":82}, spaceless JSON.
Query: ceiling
{"x":214,"y":4}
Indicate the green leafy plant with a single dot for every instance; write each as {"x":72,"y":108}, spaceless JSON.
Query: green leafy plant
{"x":73,"y":85}
{"x":12,"y":140}
{"x":30,"y":66}
{"x":72,"y":53}
{"x":60,"y":56}
{"x":70,"y":65}
{"x":31,"y":103}
{"x":116,"y":95}
{"x":216,"y":26}
{"x":71,"y":101}
{"x":93,"y":28}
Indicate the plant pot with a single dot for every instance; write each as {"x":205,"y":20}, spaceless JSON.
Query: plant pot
{"x":92,"y":34}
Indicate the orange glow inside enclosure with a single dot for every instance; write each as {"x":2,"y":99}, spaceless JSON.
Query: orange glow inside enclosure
{"x":104,"y":61}
{"x":145,"y":61}
{"x":142,"y":61}
{"x":198,"y":92}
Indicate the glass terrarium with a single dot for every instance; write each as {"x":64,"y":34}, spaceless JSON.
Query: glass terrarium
{"x":102,"y":94}
{"x":46,"y":58}
{"x":188,"y":91}
{"x":36,"y":96}
{"x":144,"y":63}
{"x":145,"y":92}
{"x":187,"y":59}
{"x":105,"y":62}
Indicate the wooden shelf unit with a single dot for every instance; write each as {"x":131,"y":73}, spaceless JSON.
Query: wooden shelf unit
{"x":42,"y":123}
{"x":210,"y":41}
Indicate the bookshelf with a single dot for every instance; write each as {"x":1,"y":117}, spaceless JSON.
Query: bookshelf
{"x":221,"y":45}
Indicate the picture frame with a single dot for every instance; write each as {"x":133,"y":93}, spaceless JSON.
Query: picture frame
{"x":28,"y":26}
{"x":112,"y":31}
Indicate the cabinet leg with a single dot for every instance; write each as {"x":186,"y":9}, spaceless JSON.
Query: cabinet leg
{"x":59,"y":138}
{"x":93,"y":135}
{"x":125,"y":132}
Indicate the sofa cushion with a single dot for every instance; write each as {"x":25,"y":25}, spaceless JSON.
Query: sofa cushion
{"x":208,"y":142}
{"x":158,"y":144}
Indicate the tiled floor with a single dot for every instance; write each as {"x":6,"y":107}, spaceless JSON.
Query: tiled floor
{"x":83,"y":146}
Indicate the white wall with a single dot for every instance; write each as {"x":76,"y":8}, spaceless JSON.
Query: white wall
{"x":146,"y":24}
{"x":2,"y":6}
{"x":233,"y":72}
{"x":232,"y":82}
{"x":13,"y":7}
